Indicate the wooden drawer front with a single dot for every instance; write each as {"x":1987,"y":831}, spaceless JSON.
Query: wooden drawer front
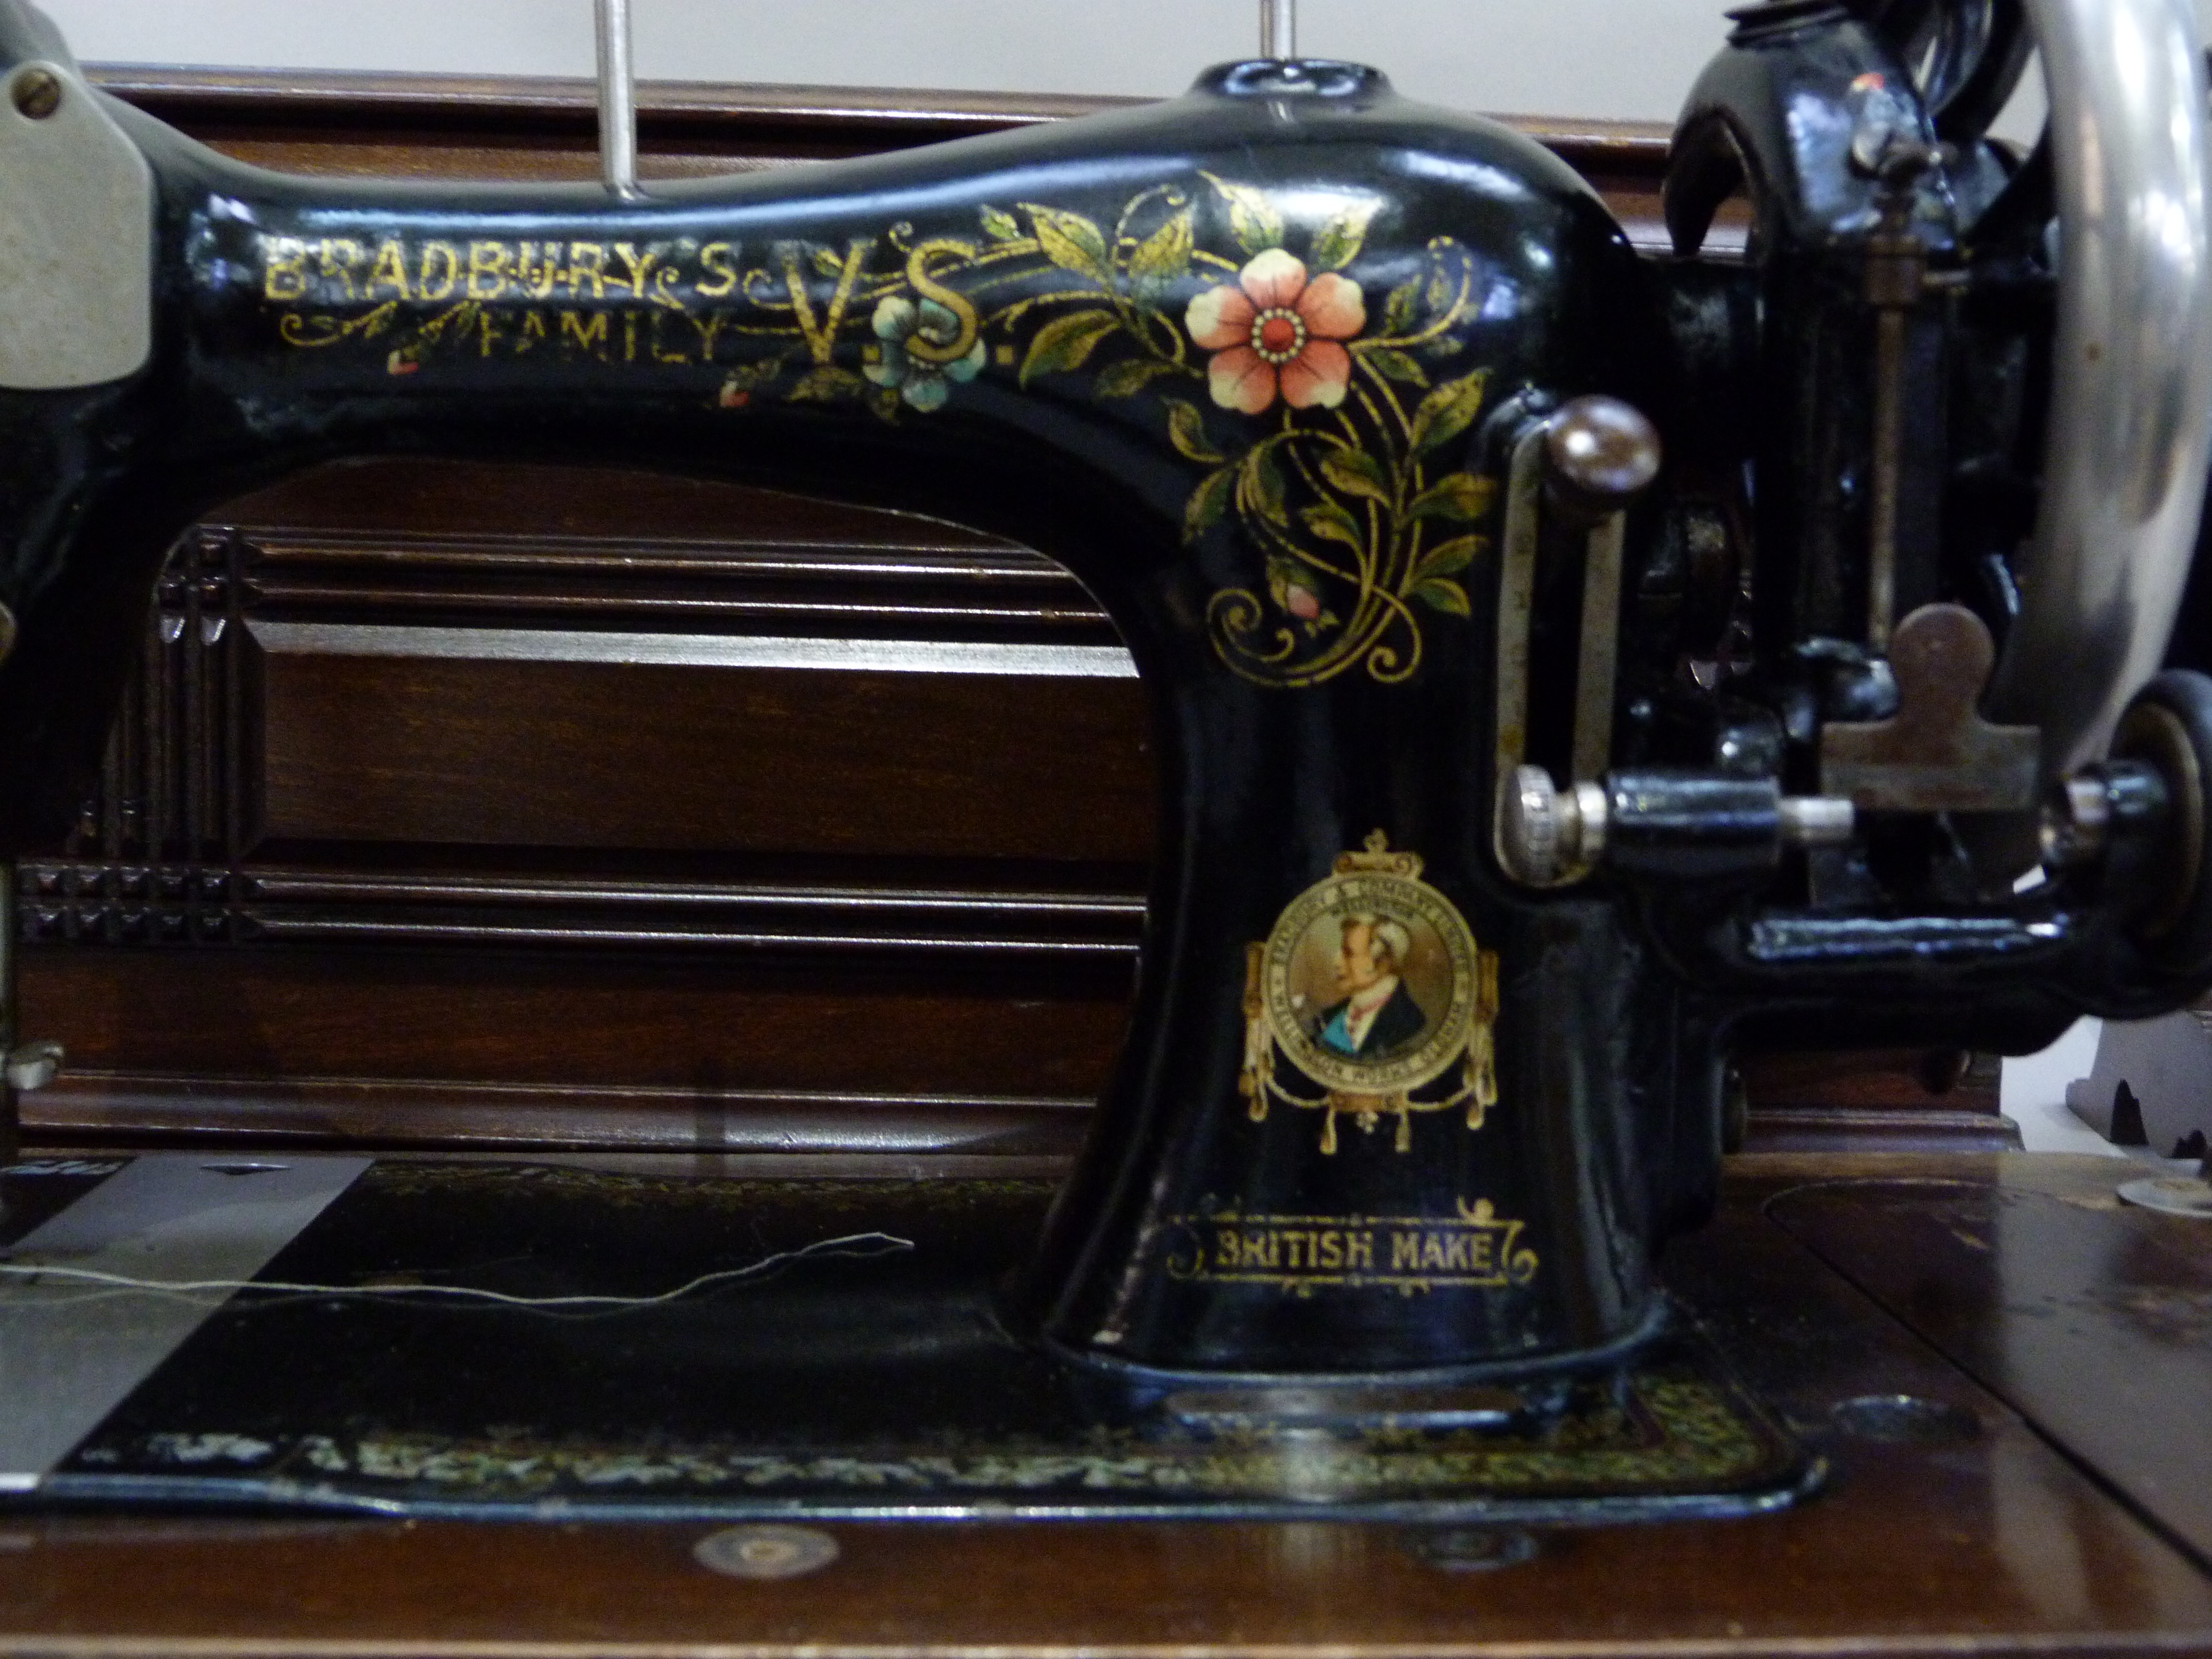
{"x":490,"y":737}
{"x":460,"y":805}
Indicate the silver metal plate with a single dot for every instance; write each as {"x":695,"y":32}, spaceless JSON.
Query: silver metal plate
{"x":76,"y":240}
{"x":70,"y":1350}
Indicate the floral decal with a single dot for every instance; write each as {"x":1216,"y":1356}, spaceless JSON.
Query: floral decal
{"x":1328,"y":428}
{"x":912,"y":339}
{"x":1276,"y":330}
{"x":1319,"y":389}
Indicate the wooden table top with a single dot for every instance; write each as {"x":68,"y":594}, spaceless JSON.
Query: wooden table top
{"x":2061,"y":1505}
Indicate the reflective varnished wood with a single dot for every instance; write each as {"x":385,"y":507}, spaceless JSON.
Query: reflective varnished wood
{"x":2088,"y":1314}
{"x":2008,"y":1541}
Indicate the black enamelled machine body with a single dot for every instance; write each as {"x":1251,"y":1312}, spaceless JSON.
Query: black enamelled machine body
{"x":1567,"y":664}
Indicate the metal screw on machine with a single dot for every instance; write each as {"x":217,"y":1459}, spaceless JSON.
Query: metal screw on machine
{"x":1548,"y":831}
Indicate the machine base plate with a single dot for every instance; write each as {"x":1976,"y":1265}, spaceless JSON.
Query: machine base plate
{"x":871,"y":1384}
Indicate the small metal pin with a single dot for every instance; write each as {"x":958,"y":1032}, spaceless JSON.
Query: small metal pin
{"x":618,"y":101}
{"x":1279,"y":28}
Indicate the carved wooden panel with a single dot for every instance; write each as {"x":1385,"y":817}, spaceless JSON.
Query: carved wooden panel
{"x":625,"y":832}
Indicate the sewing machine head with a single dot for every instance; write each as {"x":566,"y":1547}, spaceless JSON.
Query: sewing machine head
{"x":1567,"y":663}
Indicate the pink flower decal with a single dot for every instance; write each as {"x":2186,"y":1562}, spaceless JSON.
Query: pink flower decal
{"x":1277,"y":331}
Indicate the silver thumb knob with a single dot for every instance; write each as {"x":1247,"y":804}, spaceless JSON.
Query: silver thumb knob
{"x":1546,"y":836}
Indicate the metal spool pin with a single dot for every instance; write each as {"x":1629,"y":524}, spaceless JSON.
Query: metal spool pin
{"x":1279,"y":28}
{"x":618,"y":101}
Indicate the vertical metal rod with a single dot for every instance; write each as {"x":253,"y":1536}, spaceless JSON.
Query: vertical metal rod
{"x":1597,"y":665}
{"x":1517,"y":602}
{"x":11,"y":1118}
{"x":1893,"y":282}
{"x":618,"y":101}
{"x":1279,"y":28}
{"x":1888,"y":459}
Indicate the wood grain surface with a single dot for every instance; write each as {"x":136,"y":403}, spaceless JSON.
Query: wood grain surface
{"x":2009,"y":1540}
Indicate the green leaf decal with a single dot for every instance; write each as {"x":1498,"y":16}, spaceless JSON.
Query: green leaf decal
{"x":1338,"y":241}
{"x":1253,"y":219}
{"x":1125,"y":380}
{"x":1187,"y":431}
{"x":1394,"y":363}
{"x":1208,"y":503}
{"x":1064,"y":343}
{"x":1266,"y":485}
{"x":1462,"y":495}
{"x":1326,"y":519}
{"x":827,"y":385}
{"x":1447,"y":411}
{"x":1442,"y":595}
{"x":1357,"y":473}
{"x":1447,"y":558}
{"x":1000,"y":226}
{"x":1398,"y":309}
{"x":1164,"y":256}
{"x":1071,"y":241}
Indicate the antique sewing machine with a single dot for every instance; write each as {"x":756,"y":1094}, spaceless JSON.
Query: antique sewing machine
{"x":1568,"y":666}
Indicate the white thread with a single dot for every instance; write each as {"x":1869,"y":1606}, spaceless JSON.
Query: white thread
{"x":862,"y":1244}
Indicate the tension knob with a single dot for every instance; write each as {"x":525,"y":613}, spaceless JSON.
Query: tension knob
{"x":1600,"y":454}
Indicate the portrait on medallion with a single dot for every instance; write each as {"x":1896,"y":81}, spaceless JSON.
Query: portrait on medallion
{"x":1376,"y":1014}
{"x":1359,"y":982}
{"x":1370,"y":997}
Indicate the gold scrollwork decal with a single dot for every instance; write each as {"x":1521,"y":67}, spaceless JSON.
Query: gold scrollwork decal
{"x":1315,"y":385}
{"x":1475,"y":1249}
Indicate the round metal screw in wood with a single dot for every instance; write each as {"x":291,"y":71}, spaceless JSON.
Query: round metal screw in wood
{"x":1476,"y":1549}
{"x":765,"y":1551}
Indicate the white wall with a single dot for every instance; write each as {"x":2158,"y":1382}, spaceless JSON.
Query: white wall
{"x":2033,"y":1094}
{"x":1630,"y":58}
